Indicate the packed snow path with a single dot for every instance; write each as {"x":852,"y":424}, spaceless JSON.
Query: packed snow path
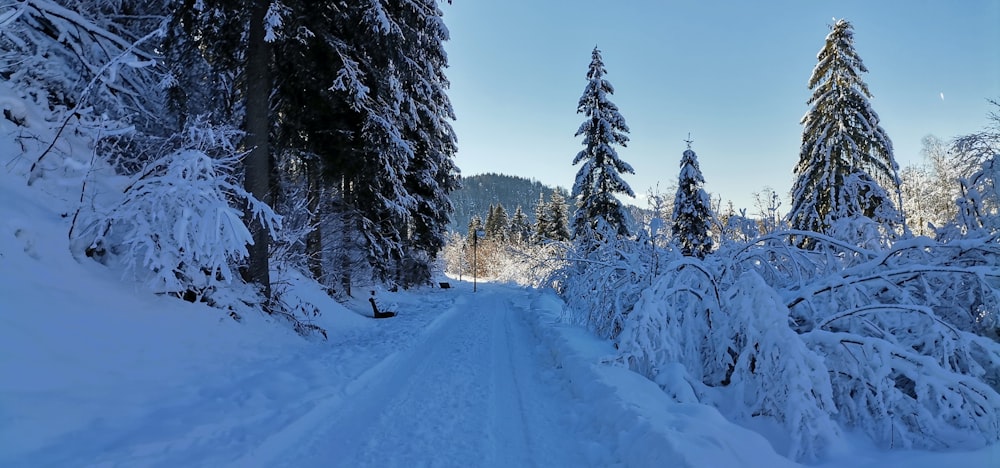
{"x":457,"y":379}
{"x":479,"y":390}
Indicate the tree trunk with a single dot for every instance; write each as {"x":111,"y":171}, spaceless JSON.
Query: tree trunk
{"x":314,"y":240}
{"x":257,"y":163}
{"x":347,"y":231}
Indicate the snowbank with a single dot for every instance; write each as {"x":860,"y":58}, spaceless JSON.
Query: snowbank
{"x":647,"y":426}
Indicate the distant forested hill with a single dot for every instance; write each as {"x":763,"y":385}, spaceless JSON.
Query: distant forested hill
{"x":478,"y":192}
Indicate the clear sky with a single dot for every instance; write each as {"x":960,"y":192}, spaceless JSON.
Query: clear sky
{"x":732,"y":74}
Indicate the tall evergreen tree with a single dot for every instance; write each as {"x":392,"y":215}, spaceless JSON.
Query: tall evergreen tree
{"x":558,"y":218}
{"x":599,"y":178}
{"x":846,"y":160}
{"x":692,"y":213}
{"x":520,"y":227}
{"x":233,"y":39}
{"x":257,"y":164}
{"x":490,"y":219}
{"x":431,"y":175}
{"x":542,"y":221}
{"x":362,"y":87}
{"x":497,"y":223}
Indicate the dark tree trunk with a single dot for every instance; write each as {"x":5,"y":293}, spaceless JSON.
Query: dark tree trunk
{"x":347,"y":227}
{"x":314,"y":240}
{"x":257,"y":163}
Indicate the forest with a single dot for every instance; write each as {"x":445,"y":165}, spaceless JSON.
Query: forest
{"x":284,"y":135}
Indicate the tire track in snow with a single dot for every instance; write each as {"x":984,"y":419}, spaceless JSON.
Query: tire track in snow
{"x":511,"y":440}
{"x":477,"y":392}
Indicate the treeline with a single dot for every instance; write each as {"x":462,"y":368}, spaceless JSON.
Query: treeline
{"x":480,"y":191}
{"x":491,"y":243}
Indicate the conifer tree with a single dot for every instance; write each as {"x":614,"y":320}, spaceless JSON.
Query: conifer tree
{"x":361,"y":86}
{"x":692,"y":209}
{"x":237,"y":39}
{"x":497,"y":223}
{"x":558,"y":218}
{"x":431,"y":175}
{"x":846,"y":160}
{"x":599,"y":178}
{"x":520,"y":228}
{"x":490,"y":219}
{"x":542,"y":222}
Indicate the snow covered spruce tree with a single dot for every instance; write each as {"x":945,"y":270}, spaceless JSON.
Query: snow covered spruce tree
{"x":362,"y":87}
{"x":497,"y":223}
{"x":692,"y":209}
{"x":541,"y":226}
{"x":431,"y":175}
{"x":520,"y":227}
{"x":599,"y":178}
{"x":557,"y":218}
{"x":846,"y":161}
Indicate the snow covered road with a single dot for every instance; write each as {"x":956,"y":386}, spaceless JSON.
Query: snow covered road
{"x":479,"y":390}
{"x":457,"y":379}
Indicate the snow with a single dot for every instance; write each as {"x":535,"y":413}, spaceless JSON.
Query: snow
{"x":98,"y":371}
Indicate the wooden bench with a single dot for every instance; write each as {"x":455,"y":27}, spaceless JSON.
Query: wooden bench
{"x":445,"y":285}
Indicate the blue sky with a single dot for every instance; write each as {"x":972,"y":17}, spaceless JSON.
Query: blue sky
{"x":732,"y":74}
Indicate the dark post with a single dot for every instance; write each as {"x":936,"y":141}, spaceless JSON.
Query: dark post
{"x":475,"y":257}
{"x":475,"y":260}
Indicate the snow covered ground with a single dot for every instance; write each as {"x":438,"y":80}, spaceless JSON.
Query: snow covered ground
{"x":97,"y":372}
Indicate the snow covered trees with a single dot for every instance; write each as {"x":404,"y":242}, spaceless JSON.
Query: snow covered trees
{"x":846,"y":163}
{"x":930,"y":188}
{"x":520,"y":227}
{"x":359,"y":99}
{"x":692,"y":214}
{"x":835,"y":324}
{"x":380,"y":124}
{"x":344,"y":103}
{"x":599,"y":178}
{"x":498,"y":223}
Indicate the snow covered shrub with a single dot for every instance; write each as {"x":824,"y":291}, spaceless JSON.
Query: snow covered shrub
{"x":529,"y":264}
{"x":605,"y":283}
{"x":978,"y":205}
{"x":177,"y":221}
{"x":671,"y":322}
{"x":775,"y":375}
{"x":896,"y":340}
{"x":900,"y":333}
{"x":736,"y":339}
{"x":82,"y":56}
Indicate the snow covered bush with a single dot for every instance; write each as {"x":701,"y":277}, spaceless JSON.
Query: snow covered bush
{"x":737,"y":351}
{"x":604,"y":281}
{"x":86,"y":60}
{"x":896,"y":340}
{"x":978,"y":205}
{"x":176,"y":225}
{"x":531,"y":265}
